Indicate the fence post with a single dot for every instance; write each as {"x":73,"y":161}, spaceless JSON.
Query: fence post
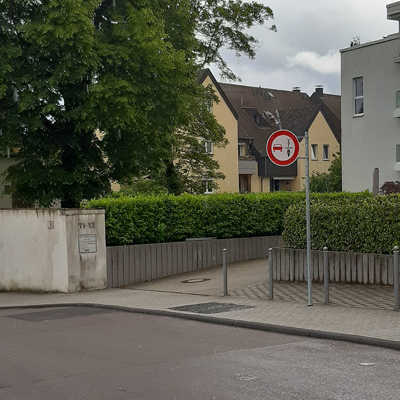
{"x":225,"y":271}
{"x":396,"y":278}
{"x":270,"y":274}
{"x":326,"y":276}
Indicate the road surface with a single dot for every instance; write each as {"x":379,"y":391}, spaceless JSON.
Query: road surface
{"x":94,"y":354}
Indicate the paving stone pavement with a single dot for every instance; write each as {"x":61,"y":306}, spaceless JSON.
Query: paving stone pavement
{"x":348,"y":295}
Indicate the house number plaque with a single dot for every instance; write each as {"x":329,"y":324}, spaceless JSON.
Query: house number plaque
{"x":87,"y":243}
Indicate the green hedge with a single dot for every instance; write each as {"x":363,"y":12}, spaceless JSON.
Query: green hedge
{"x":155,"y":219}
{"x":369,"y":225}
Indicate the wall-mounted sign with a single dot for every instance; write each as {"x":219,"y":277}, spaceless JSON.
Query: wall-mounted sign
{"x":87,"y":243}
{"x":283,"y":148}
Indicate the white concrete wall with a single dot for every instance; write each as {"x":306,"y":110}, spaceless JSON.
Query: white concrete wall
{"x":39,"y":250}
{"x":369,"y":141}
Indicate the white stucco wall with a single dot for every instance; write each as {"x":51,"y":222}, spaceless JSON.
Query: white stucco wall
{"x":39,"y":250}
{"x":369,"y":141}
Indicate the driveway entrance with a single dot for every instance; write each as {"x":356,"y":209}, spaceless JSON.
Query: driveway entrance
{"x":210,"y":282}
{"x":249,"y":279}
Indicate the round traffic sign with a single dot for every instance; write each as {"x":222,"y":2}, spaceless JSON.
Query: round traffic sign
{"x":283,"y":148}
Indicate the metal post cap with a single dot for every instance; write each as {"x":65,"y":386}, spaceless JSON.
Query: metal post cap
{"x":396,"y":248}
{"x":325,"y":249}
{"x":267,"y":252}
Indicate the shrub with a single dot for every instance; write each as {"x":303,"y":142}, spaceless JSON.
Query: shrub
{"x":390,"y":187}
{"x":155,"y":219}
{"x":330,"y":181}
{"x":368,"y":225}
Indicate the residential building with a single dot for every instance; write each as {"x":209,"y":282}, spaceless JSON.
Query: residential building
{"x":226,"y":115}
{"x":260,"y":112}
{"x":371,"y":110}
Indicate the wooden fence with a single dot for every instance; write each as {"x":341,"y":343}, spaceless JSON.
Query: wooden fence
{"x":290,"y":265}
{"x":127,"y":265}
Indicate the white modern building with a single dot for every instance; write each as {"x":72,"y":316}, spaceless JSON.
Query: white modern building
{"x":371,"y":110}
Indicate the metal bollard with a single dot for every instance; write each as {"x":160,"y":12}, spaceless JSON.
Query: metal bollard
{"x":270,"y":274}
{"x":396,"y":278}
{"x":225,"y":271}
{"x":326,"y":276}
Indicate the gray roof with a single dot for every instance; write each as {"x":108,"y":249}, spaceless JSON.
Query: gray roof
{"x":260,"y":110}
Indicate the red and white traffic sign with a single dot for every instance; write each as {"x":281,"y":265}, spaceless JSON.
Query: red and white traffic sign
{"x":283,"y":148}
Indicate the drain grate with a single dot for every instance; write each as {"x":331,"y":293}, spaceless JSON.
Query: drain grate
{"x":211,"y":308}
{"x":59,"y":313}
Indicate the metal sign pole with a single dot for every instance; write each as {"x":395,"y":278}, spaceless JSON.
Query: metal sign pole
{"x":308,"y":219}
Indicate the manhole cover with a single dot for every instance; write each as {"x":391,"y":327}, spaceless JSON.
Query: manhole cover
{"x":211,"y":308}
{"x":196,"y":280}
{"x":60,"y":313}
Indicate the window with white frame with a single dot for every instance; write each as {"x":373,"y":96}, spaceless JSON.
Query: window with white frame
{"x":314,"y":152}
{"x":208,"y":186}
{"x":209,"y":146}
{"x":398,"y":153}
{"x":358,"y":90}
{"x":325,"y":152}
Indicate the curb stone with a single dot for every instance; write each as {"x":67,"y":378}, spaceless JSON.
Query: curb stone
{"x":261,"y":326}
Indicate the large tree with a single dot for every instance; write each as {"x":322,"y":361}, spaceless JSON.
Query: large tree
{"x":94,"y":91}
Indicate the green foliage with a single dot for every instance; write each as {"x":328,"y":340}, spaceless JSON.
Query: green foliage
{"x":141,"y":186}
{"x":328,"y":182}
{"x":369,"y":224}
{"x":127,"y":68}
{"x":223,"y":24}
{"x":154,"y":219}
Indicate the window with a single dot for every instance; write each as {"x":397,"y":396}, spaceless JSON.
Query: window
{"x":244,"y":183}
{"x":398,"y":153}
{"x":208,"y":186}
{"x":209,"y":105}
{"x":325,"y":152}
{"x":242,"y":149}
{"x":314,"y":152}
{"x":209,"y":147}
{"x":358,"y":90}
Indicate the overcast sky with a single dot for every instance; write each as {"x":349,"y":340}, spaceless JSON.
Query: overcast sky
{"x":305,"y":50}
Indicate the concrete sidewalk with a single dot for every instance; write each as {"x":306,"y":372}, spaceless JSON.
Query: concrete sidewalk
{"x":380,"y":327}
{"x":249,"y":279}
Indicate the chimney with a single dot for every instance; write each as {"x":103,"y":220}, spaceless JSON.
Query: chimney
{"x":296,"y":89}
{"x":319,"y":90}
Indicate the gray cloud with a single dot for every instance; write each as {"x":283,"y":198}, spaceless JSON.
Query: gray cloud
{"x":305,"y":50}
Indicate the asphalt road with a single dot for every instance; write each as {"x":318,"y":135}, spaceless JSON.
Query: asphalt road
{"x":85,"y":353}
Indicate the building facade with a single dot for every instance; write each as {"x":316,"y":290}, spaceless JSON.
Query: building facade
{"x":251,"y":114}
{"x":227,"y":156}
{"x":371,"y":110}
